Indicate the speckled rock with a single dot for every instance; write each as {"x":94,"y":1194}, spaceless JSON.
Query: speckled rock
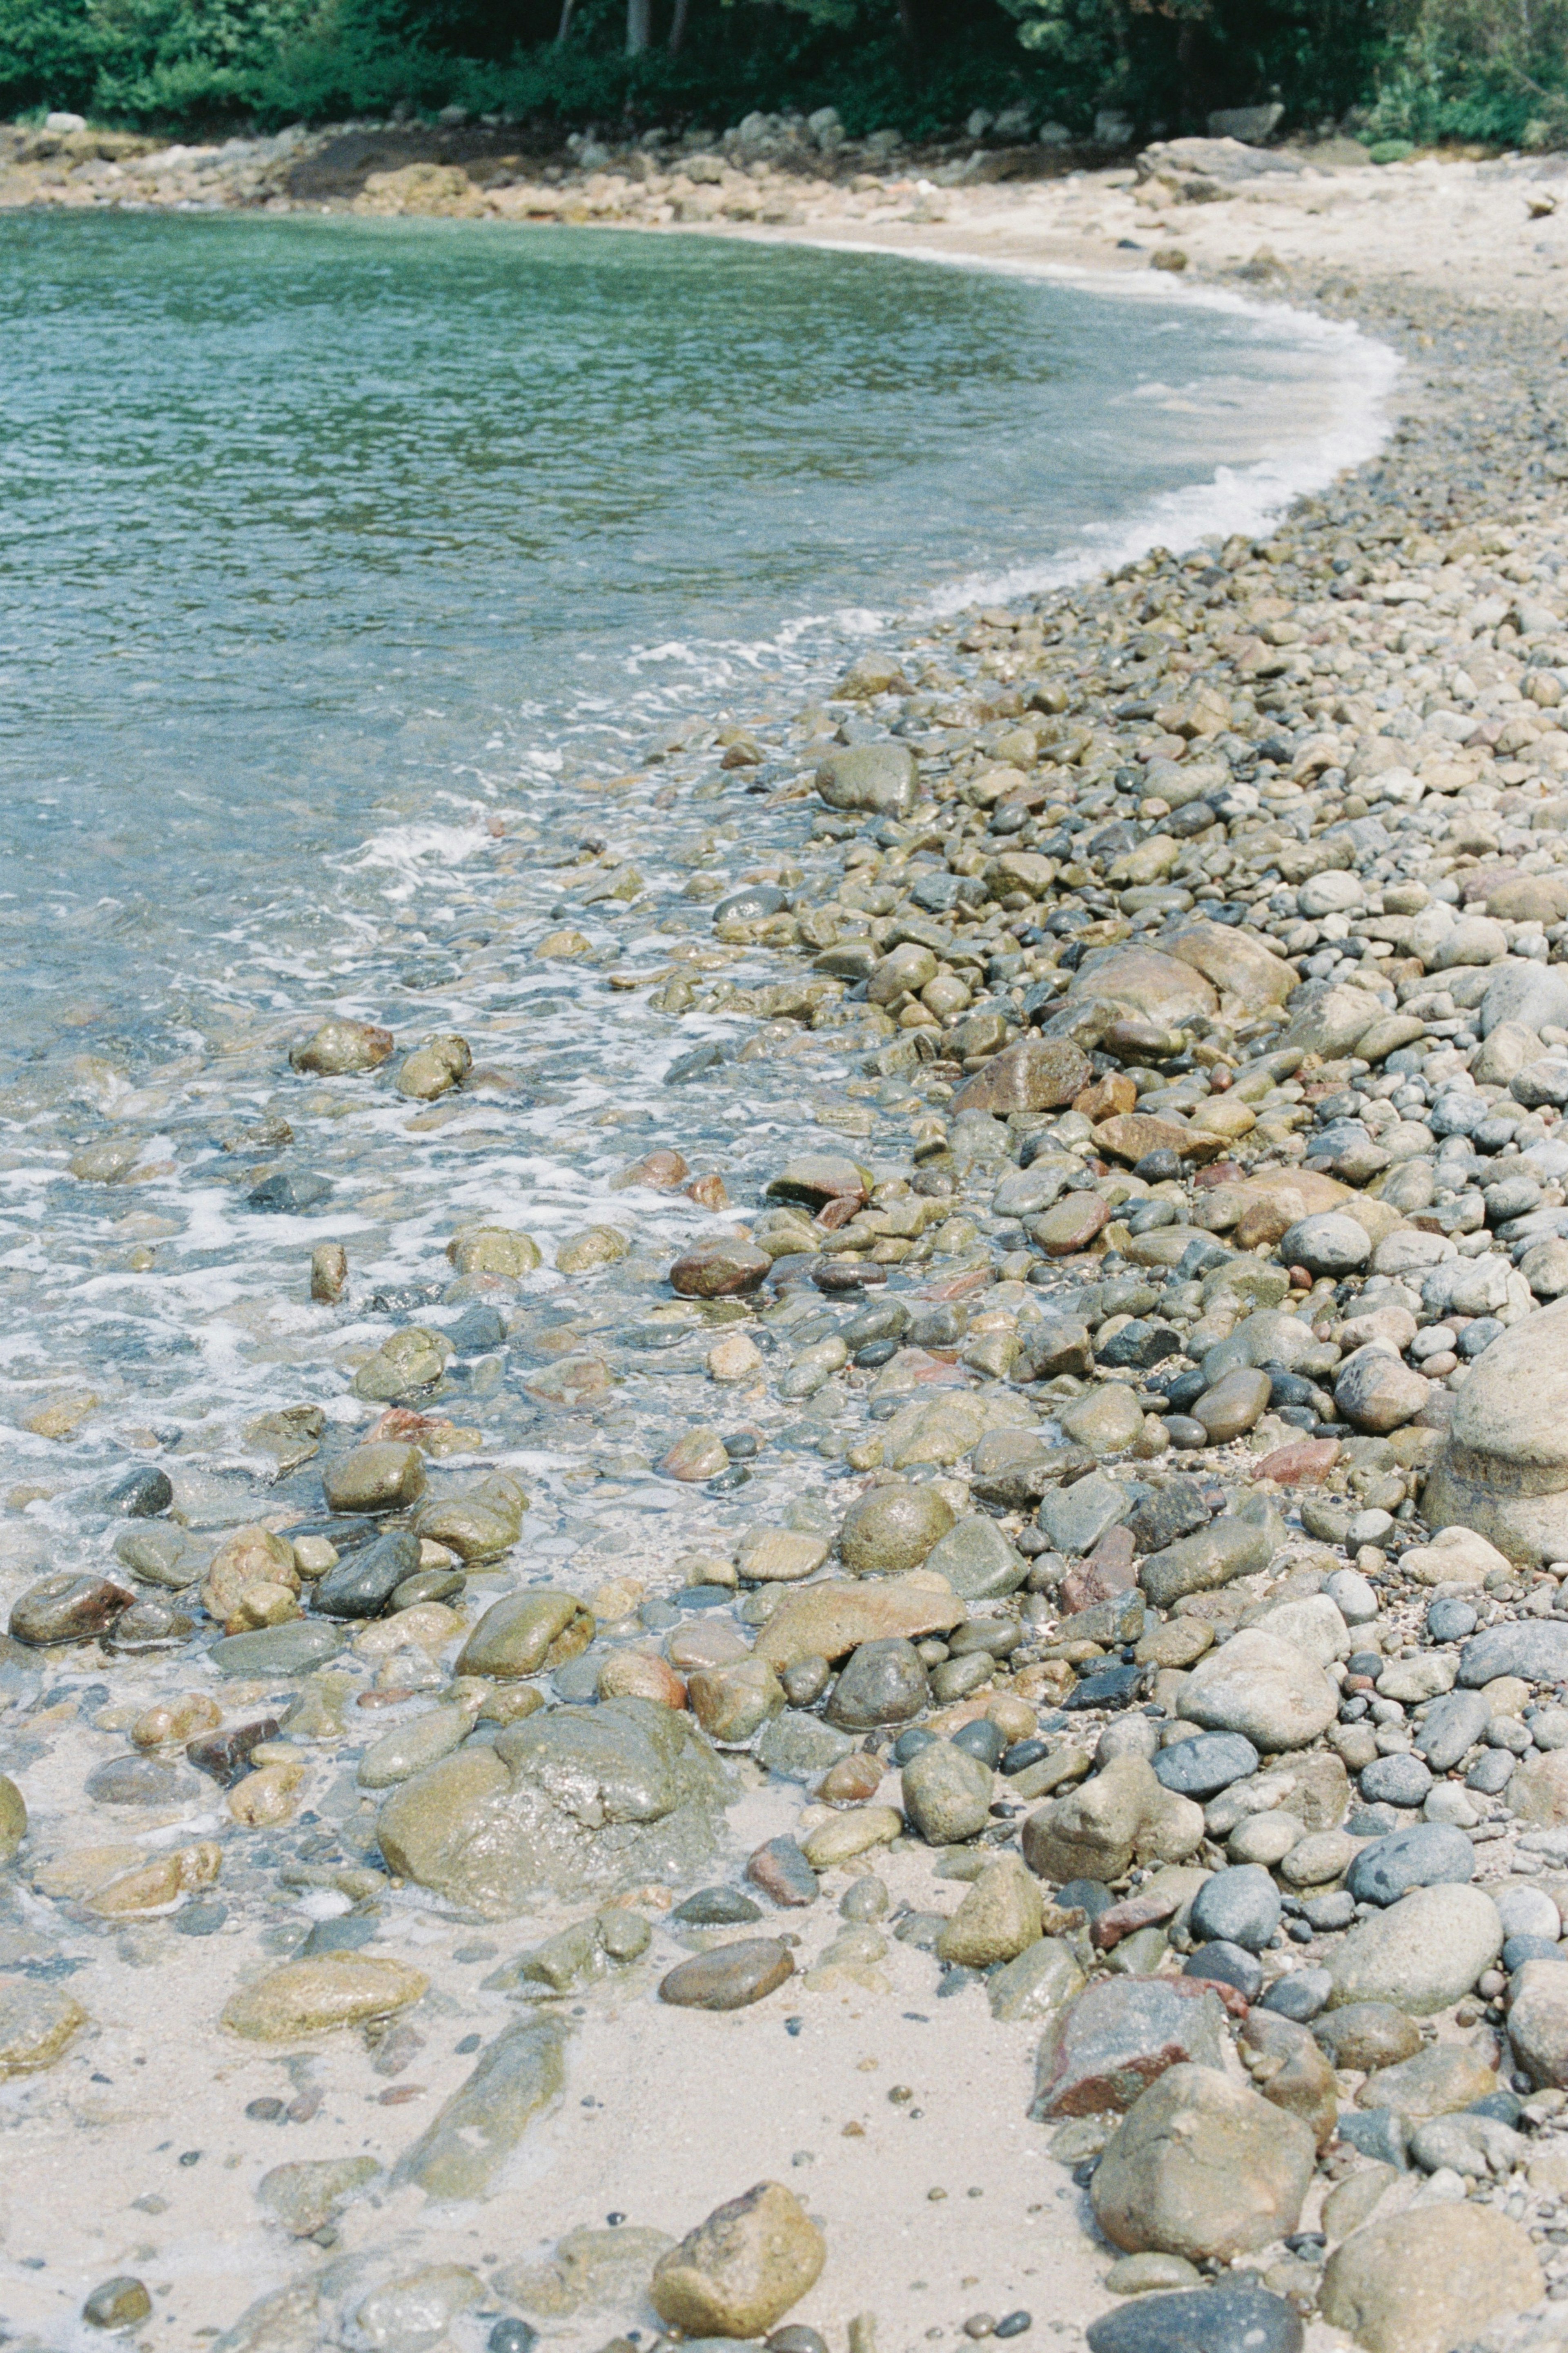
{"x":1421,"y":1953}
{"x":1202,"y":2167}
{"x":332,"y":1990}
{"x":740,"y":2270}
{"x":1266,"y":1688}
{"x":1427,"y":2280}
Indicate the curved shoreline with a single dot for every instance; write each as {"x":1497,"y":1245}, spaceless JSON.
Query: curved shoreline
{"x":1103,"y":680}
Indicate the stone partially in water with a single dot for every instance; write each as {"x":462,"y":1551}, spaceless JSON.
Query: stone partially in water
{"x":572,"y":1799}
{"x":306,"y":2195}
{"x":37,"y":2024}
{"x":342,"y":1048}
{"x":477,"y":1523}
{"x":526,"y":1634}
{"x":740,"y":2270}
{"x":589,"y":2271}
{"x":382,"y":1477}
{"x":363,"y":1583}
{"x":67,"y":1607}
{"x":877,"y":777}
{"x":290,"y":1649}
{"x":520,"y":2073}
{"x":310,"y":1997}
{"x":119,"y":2303}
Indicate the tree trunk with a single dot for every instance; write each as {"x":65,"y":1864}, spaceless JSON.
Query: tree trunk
{"x":678,"y":26}
{"x":910,"y":24}
{"x":639,"y":26}
{"x":568,"y":10}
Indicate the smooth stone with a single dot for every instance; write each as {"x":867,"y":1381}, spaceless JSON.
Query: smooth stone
{"x":67,"y":1607}
{"x":1535,"y":1649}
{"x":1224,"y":1963}
{"x":141,"y":1495}
{"x":998,"y":1919}
{"x":1451,"y":1621}
{"x":882,"y":1682}
{"x":891,"y":1529}
{"x":1230,"y":1546}
{"x":13,"y":1818}
{"x":292,"y":1649}
{"x":307,"y":2194}
{"x":363,"y":1583}
{"x":134,"y":1781}
{"x":1425,"y":1951}
{"x":1204,"y":2320}
{"x":1302,"y":1996}
{"x":1206,"y":1764}
{"x":1264,"y":1688}
{"x":1399,"y":1780}
{"x":716,"y":1907}
{"x":1538,"y":2021}
{"x":527,"y":1633}
{"x":829,"y":1619}
{"x":1431,"y":2082}
{"x":784,"y":1874}
{"x":309,"y":1996}
{"x":731,"y":1978}
{"x":732,"y":1703}
{"x":380,"y":1477}
{"x":1503,"y":1471}
{"x":977,"y":1560}
{"x":1039,"y":1984}
{"x":1237,"y":1401}
{"x":408,"y":1749}
{"x":1237,"y":1907}
{"x":515,"y":2079}
{"x":1452,"y":1725}
{"x":879,"y":778}
{"x":119,"y":2302}
{"x":1075,"y":1518}
{"x":1376,"y":1392}
{"x":1326,"y":1243}
{"x":799,"y":1746}
{"x":946,"y":1794}
{"x":1429,"y":1854}
{"x":1368,"y":2035}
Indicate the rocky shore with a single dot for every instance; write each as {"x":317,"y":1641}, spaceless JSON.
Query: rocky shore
{"x":940,"y":1639}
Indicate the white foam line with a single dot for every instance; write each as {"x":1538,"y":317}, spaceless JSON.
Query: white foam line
{"x":1233,"y":499}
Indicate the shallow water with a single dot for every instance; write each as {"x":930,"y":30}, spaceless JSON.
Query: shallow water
{"x":337,"y":552}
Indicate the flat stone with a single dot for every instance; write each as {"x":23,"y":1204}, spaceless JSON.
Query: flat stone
{"x":37,"y":2023}
{"x":1376,"y":1392}
{"x":515,"y":2079}
{"x":135,"y":1781}
{"x":1202,"y":2167}
{"x":1070,"y":1225}
{"x":828,"y":1620}
{"x":1238,"y":1400}
{"x":292,"y":1649}
{"x":730,"y":1977}
{"x":1430,"y":2278}
{"x":308,"y":1997}
{"x":1425,"y":1951}
{"x":780,"y":1556}
{"x":364,"y":1580}
{"x":568,"y":1801}
{"x":1106,"y":2046}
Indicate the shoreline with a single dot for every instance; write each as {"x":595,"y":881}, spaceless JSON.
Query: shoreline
{"x":1041,"y":809}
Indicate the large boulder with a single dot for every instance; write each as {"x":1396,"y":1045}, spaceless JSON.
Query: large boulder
{"x":1503,"y":1471}
{"x":1202,"y":2167}
{"x":1429,"y":2279}
{"x":565,"y":1803}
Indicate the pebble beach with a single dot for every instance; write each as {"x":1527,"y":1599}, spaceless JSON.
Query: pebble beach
{"x":884,"y":1651}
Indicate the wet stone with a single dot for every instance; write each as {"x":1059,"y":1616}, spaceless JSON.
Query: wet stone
{"x":362,"y":1584}
{"x":141,"y":1495}
{"x":67,"y":1609}
{"x":135,"y":1781}
{"x":226,"y":1756}
{"x":119,"y":2303}
{"x":289,"y":1650}
{"x":882,"y":1682}
{"x":784,"y":1874}
{"x":716,"y":1907}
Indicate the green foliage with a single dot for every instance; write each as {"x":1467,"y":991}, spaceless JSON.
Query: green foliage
{"x":1491,"y":70}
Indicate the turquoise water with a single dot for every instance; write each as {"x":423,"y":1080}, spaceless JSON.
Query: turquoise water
{"x":312,"y":529}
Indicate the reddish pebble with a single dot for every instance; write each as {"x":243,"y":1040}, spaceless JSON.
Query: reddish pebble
{"x":1302,"y":1465}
